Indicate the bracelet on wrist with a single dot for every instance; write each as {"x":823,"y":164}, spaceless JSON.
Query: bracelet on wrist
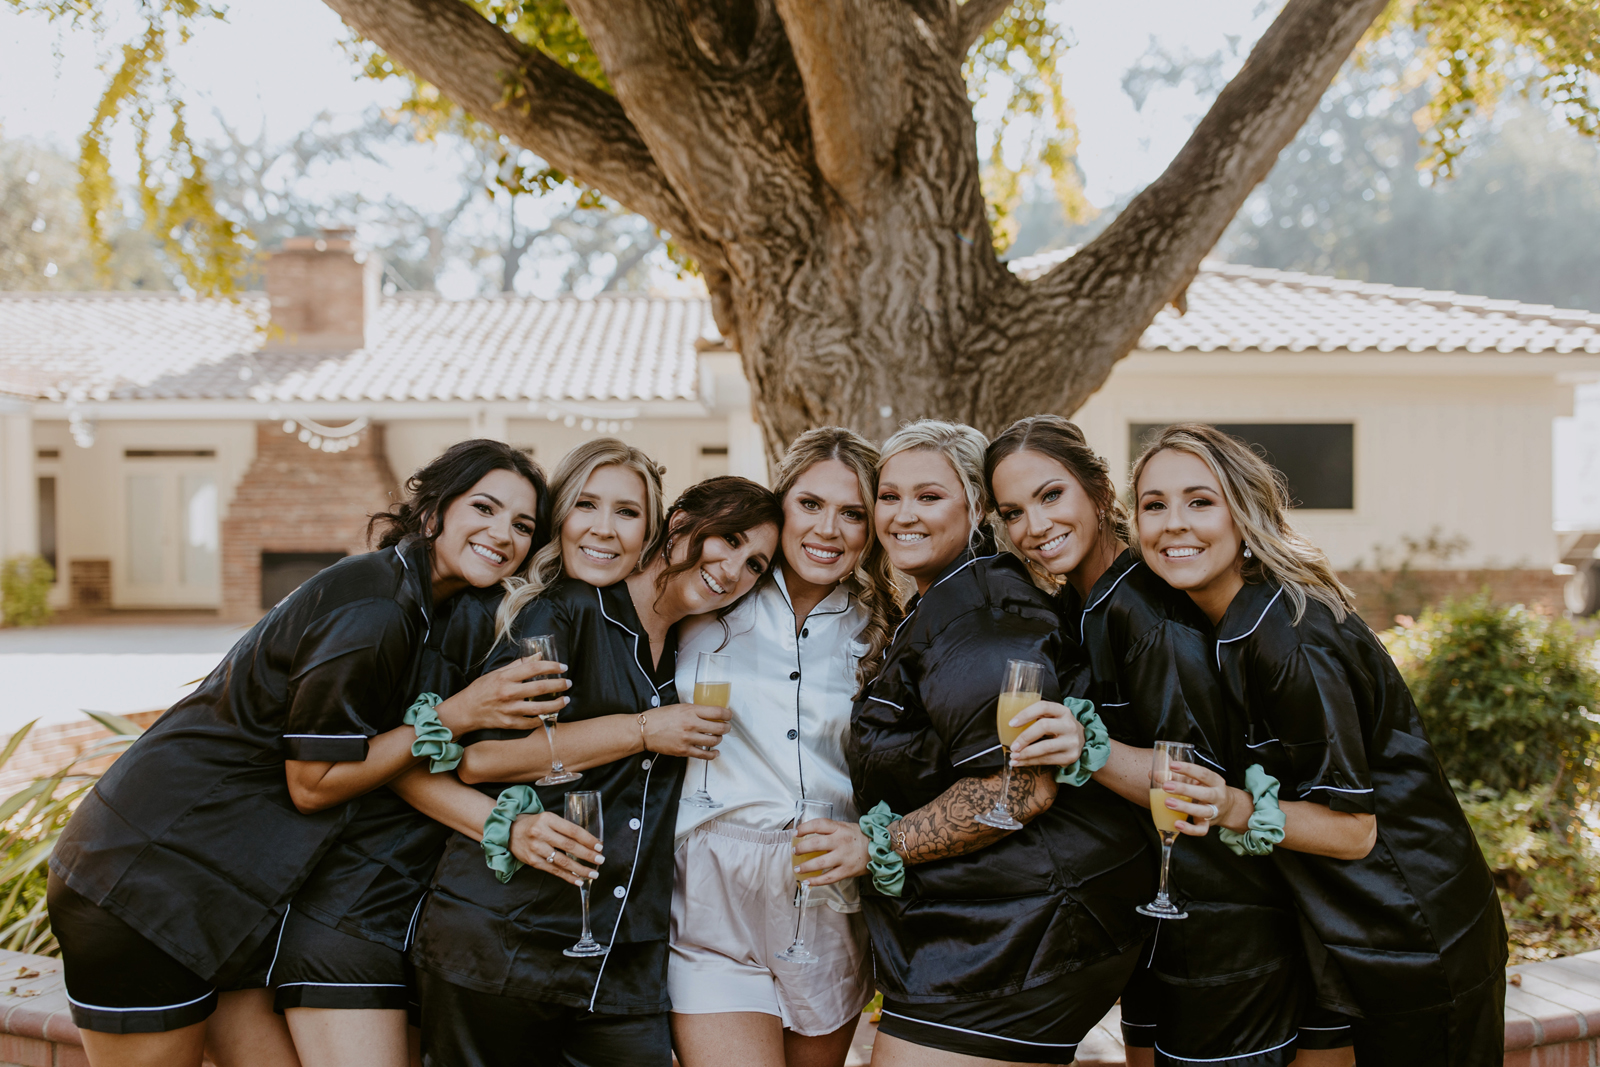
{"x":434,"y":738}
{"x":887,"y":867}
{"x":1266,"y":821}
{"x":1096,"y":744}
{"x":513,"y":801}
{"x":644,"y":720}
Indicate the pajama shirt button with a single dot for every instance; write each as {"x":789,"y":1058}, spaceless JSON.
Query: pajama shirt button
{"x":619,"y":892}
{"x":633,"y":824}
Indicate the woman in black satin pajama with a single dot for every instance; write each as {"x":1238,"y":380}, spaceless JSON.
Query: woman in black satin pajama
{"x":169,"y":886}
{"x":1406,"y":940}
{"x":1228,"y":985}
{"x":1000,"y":945}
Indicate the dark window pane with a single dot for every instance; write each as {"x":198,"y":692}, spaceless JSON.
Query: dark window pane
{"x":284,"y":572}
{"x":1316,"y":458}
{"x":47,"y":521}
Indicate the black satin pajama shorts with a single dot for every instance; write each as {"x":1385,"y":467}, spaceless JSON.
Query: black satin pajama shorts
{"x":1043,"y":1024}
{"x":120,"y":982}
{"x":317,"y":966}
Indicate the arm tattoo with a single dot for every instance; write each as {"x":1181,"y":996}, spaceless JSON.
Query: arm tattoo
{"x":949,"y":825}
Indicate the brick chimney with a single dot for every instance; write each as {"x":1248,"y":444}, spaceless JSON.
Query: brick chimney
{"x":324,"y":292}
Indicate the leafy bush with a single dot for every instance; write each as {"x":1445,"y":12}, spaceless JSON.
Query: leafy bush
{"x":1510,"y":699}
{"x":25,"y":583}
{"x":31,"y":820}
{"x":1547,"y":866}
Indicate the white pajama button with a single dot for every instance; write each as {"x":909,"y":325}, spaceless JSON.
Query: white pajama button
{"x":646,"y":765}
{"x":619,"y":892}
{"x":655,"y":702}
{"x":633,"y":824}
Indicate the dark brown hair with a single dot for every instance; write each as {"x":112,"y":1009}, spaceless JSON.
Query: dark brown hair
{"x":717,"y":507}
{"x":434,"y":487}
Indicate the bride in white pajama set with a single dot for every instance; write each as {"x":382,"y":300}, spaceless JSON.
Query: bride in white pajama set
{"x":796,"y":645}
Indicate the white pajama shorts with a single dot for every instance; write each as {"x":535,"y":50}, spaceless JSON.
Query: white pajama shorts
{"x":733,"y":910}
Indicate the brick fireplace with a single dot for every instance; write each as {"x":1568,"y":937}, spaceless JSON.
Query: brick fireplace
{"x":295,"y":500}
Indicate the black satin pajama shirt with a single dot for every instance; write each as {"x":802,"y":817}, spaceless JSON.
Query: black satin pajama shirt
{"x":1228,"y":983}
{"x":505,"y":940}
{"x":1416,"y":925}
{"x":191,"y":838}
{"x":1042,"y":903}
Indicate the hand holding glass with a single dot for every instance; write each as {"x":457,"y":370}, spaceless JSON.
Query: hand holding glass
{"x":804,"y":811}
{"x":583,"y":811}
{"x":712,"y":687}
{"x":1166,"y":753}
{"x":1019,"y":691}
{"x":543,"y":646}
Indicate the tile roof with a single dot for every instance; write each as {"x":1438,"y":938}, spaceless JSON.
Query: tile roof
{"x":1237,"y":309}
{"x":421,"y":347}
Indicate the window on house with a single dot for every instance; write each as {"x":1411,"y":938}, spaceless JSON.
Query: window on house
{"x":197,"y":553}
{"x":47,"y":522}
{"x":284,"y":572}
{"x":1317,"y":459}
{"x":713,"y":462}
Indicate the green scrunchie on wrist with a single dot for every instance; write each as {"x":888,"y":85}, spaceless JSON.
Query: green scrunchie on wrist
{"x":887,"y":867}
{"x":1096,"y":744}
{"x":434,"y":738}
{"x":514,"y":800}
{"x":1266,"y":822}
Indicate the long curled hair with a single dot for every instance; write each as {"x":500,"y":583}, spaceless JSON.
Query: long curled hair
{"x":1062,"y":441}
{"x":566,"y":486}
{"x":872,"y":578}
{"x":963,"y":448}
{"x":725,"y":506}
{"x":1258,"y":499}
{"x":434,"y":487}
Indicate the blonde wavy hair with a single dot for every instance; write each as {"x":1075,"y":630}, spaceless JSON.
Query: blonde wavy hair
{"x":963,"y":447}
{"x":1060,"y":440}
{"x":873,"y":578}
{"x":1258,"y":499}
{"x":566,"y":485}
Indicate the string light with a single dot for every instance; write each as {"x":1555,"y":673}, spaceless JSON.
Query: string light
{"x":329,"y":439}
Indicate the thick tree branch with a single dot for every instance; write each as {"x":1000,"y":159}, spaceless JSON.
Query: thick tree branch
{"x":974,"y":19}
{"x":1089,"y":312}
{"x":856,"y":89}
{"x":524,"y":95}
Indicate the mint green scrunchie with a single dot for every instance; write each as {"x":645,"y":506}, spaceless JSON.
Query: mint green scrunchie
{"x":1266,"y":822}
{"x":514,"y":800}
{"x":1096,"y":744}
{"x":434,"y":738}
{"x":887,"y":867}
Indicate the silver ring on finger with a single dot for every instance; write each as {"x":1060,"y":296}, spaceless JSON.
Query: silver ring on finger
{"x":552,"y":858}
{"x":1215,"y":811}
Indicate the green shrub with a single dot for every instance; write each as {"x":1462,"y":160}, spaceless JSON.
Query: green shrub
{"x":31,"y":820}
{"x":25,"y":583}
{"x":1547,"y":867}
{"x":1510,"y":699}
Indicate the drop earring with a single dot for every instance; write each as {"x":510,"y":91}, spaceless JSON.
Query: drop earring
{"x":1248,"y":554}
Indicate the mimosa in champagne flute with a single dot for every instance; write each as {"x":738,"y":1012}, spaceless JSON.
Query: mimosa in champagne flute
{"x":543,"y":646}
{"x":804,"y":811}
{"x":1019,"y":691}
{"x":712,"y":686}
{"x":1166,"y":820}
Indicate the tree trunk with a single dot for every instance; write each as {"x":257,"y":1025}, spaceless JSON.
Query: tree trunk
{"x":818,"y":158}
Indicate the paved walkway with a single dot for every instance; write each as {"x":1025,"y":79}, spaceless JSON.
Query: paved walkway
{"x":51,"y":673}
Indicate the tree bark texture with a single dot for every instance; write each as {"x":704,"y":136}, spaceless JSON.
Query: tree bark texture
{"x":819,"y":160}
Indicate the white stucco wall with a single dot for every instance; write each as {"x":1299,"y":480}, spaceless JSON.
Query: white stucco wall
{"x":92,"y":492}
{"x":1460,"y":442}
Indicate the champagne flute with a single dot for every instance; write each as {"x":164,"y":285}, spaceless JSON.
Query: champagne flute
{"x":1166,"y":753}
{"x":712,"y":685}
{"x":1019,"y":690}
{"x":583,"y":810}
{"x":804,"y":811}
{"x":543,"y":646}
